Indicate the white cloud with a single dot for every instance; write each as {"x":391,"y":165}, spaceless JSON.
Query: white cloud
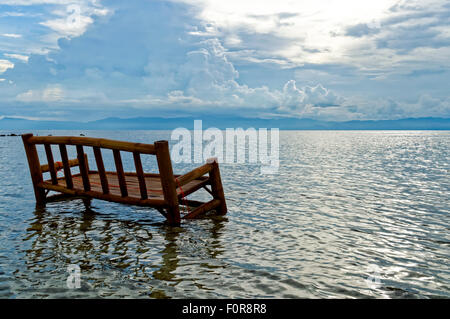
{"x":61,"y":19}
{"x":5,"y":65}
{"x":20,"y":57}
{"x":52,"y":93}
{"x":242,"y":57}
{"x":11,"y":35}
{"x":74,"y":19}
{"x":317,"y":32}
{"x":313,"y":23}
{"x":211,"y":80}
{"x":36,"y":2}
{"x":295,"y":99}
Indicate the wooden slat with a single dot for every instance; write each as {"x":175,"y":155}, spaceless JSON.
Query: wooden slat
{"x":83,"y":168}
{"x":51,"y":163}
{"x":99,"y":142}
{"x":66,"y":166}
{"x":86,"y":162}
{"x":120,"y":173}
{"x":153,"y":184}
{"x":107,"y":197}
{"x":191,"y":187}
{"x":101,"y":169}
{"x":203,"y":209}
{"x":193,"y":203}
{"x":140,"y":175}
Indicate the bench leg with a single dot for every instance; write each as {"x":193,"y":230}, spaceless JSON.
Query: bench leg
{"x":168,"y":182}
{"x":87,"y":202}
{"x":35,"y":169}
{"x":173,"y":215}
{"x":217,"y":189}
{"x":39,"y":193}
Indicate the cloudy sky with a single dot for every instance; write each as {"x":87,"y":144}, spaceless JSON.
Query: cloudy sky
{"x":321,"y":59}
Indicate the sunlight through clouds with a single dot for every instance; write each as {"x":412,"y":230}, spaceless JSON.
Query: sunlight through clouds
{"x":311,"y":29}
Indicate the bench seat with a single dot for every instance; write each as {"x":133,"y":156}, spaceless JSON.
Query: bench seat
{"x":152,"y":182}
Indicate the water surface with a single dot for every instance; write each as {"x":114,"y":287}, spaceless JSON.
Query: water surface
{"x":358,"y":214}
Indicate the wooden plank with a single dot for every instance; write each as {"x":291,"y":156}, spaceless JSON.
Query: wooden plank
{"x":153,"y":175}
{"x":66,"y":166}
{"x":101,"y":169}
{"x":203,"y":209}
{"x":98,"y":142}
{"x":140,"y":175}
{"x":51,"y":163}
{"x":168,"y":182}
{"x":83,"y":168}
{"x":35,"y":168}
{"x":120,"y":173}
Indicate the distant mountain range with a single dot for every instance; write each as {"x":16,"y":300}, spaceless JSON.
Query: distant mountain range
{"x":154,"y":123}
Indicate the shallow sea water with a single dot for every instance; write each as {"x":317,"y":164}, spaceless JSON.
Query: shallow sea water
{"x":350,"y":214}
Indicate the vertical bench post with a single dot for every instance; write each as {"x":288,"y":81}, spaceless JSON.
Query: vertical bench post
{"x":168,"y":182}
{"x":216,"y":186}
{"x":35,"y":168}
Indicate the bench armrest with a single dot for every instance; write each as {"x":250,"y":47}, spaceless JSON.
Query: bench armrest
{"x":194,"y":174}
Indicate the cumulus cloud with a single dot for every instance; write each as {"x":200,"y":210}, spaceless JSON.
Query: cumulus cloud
{"x":208,"y":78}
{"x":295,"y":98}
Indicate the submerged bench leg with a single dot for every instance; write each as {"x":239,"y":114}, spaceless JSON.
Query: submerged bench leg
{"x":216,"y":186}
{"x":168,"y":182}
{"x":87,"y":202}
{"x":35,"y":169}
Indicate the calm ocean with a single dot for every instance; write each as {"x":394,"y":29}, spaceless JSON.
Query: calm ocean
{"x":352,"y":214}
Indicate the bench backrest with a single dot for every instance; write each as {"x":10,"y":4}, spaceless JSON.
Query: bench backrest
{"x":159,"y":148}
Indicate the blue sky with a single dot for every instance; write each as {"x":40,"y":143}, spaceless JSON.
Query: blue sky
{"x":327,"y":60}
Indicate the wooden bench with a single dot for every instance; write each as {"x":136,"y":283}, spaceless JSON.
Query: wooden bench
{"x":164,"y":191}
